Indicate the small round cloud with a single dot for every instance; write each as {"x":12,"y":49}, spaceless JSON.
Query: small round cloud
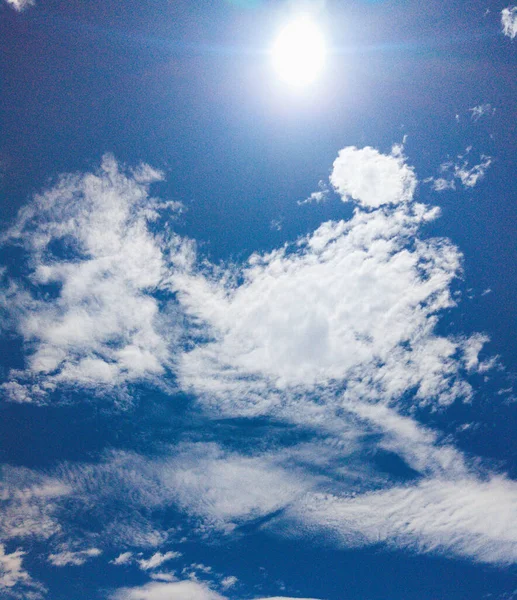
{"x":373,"y":179}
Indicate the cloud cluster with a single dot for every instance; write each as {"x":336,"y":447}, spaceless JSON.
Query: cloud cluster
{"x":334,"y":334}
{"x":90,"y":316}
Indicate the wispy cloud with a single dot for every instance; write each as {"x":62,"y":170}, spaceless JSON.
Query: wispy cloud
{"x":466,"y":517}
{"x":29,"y":504}
{"x":482,"y":110}
{"x":453,"y":172}
{"x":509,"y":21}
{"x":320,"y":195}
{"x":69,"y":557}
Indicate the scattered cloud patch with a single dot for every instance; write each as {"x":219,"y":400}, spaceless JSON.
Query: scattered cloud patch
{"x":125,"y":558}
{"x":29,"y":503}
{"x":15,"y":581}
{"x":509,"y":21}
{"x":453,"y":172}
{"x":68,"y":557}
{"x":20,"y":5}
{"x":157,"y":559}
{"x":354,"y":301}
{"x":229,"y":582}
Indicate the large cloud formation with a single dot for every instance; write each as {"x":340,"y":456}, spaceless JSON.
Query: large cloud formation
{"x":334,"y":334}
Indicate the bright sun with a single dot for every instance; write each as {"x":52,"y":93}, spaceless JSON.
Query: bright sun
{"x":299,"y":52}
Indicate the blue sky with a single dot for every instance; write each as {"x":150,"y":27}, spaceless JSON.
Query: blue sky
{"x":258,"y":341}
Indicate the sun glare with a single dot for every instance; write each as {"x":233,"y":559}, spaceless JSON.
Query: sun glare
{"x":299,"y":52}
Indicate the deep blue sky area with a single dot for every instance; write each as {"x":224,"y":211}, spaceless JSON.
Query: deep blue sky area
{"x":258,"y":339}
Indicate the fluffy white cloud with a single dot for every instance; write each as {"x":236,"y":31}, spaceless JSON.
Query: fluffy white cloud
{"x":123,"y":559}
{"x":354,"y":301}
{"x":178,"y":590}
{"x":373,"y":179}
{"x":68,"y":557}
{"x":20,"y":5}
{"x":92,"y":319}
{"x":509,"y":21}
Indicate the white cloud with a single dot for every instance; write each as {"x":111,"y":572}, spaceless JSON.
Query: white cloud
{"x":441,"y":184}
{"x":321,"y":195}
{"x":20,"y":5}
{"x":228,"y":582}
{"x":179,"y":590}
{"x":157,"y":559}
{"x":124,"y":558}
{"x":11,"y":571}
{"x":373,"y":179}
{"x":354,"y":301}
{"x":68,"y":557}
{"x":509,"y":21}
{"x":95,"y":265}
{"x":28,"y":504}
{"x":15,"y":581}
{"x":470,"y":176}
{"x":225,"y":488}
{"x":328,"y":334}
